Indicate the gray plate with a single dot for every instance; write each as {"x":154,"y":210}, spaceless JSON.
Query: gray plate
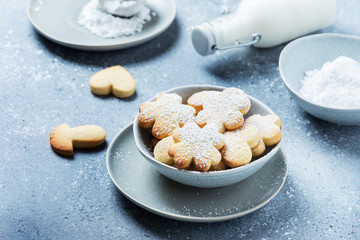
{"x":57,"y":21}
{"x":147,"y":188}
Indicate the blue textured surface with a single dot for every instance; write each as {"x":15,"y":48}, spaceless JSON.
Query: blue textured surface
{"x":45,"y":196}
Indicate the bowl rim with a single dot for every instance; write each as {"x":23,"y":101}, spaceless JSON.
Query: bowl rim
{"x":265,"y":157}
{"x":292,"y":45}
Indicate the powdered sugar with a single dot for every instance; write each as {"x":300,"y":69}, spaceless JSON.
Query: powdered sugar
{"x":201,"y":144}
{"x":199,"y":98}
{"x":335,"y":85}
{"x":225,"y":110}
{"x":107,"y":25}
{"x":193,"y":134}
{"x":166,"y":114}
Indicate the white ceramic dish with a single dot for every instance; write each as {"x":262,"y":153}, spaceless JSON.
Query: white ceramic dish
{"x":57,"y":21}
{"x":309,"y":53}
{"x":138,"y":181}
{"x":204,"y":179}
{"x":124,"y":10}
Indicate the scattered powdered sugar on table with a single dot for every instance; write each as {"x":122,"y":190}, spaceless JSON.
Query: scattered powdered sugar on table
{"x":107,"y":25}
{"x":335,"y":85}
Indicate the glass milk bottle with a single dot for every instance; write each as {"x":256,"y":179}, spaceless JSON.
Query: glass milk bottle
{"x":263,"y":23}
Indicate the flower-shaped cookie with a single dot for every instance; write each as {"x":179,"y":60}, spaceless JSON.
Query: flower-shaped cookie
{"x":269,"y":127}
{"x":198,"y":99}
{"x":225,"y":109}
{"x":198,"y":145}
{"x":238,"y":144}
{"x":165,"y":114}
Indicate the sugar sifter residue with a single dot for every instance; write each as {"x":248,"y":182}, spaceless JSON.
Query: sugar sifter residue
{"x":114,"y":18}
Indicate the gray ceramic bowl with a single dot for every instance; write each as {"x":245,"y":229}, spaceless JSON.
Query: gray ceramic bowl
{"x":203,"y":179}
{"x":309,"y":53}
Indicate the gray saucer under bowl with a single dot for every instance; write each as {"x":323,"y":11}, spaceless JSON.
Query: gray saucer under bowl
{"x":137,"y":180}
{"x":310,"y":53}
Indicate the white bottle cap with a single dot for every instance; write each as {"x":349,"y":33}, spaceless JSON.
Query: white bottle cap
{"x":203,"y":39}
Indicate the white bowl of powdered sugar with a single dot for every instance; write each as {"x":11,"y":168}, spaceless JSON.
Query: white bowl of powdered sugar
{"x":322,"y":73}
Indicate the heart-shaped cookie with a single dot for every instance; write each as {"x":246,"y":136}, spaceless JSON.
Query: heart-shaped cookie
{"x":116,"y":80}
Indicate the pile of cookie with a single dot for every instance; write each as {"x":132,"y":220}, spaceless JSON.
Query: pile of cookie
{"x":209,"y":133}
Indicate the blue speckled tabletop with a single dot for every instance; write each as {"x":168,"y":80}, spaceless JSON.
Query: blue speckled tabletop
{"x":45,"y":196}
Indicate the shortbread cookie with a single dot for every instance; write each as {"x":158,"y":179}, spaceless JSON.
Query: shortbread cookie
{"x":258,"y":149}
{"x":269,"y":127}
{"x":225,"y":110}
{"x":63,"y":138}
{"x":238,"y":144}
{"x":200,"y":146}
{"x":198,"y":99}
{"x":165,"y":114}
{"x":221,"y":166}
{"x":161,"y":150}
{"x":116,"y":80}
{"x":162,"y":146}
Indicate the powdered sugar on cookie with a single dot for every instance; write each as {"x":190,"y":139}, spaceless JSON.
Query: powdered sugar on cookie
{"x":198,"y":99}
{"x":193,"y":144}
{"x":165,"y":114}
{"x":225,"y":110}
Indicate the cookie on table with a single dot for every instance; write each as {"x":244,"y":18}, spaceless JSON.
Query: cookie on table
{"x":196,"y":145}
{"x":225,"y":109}
{"x":63,"y":139}
{"x":165,"y":114}
{"x":116,"y":80}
